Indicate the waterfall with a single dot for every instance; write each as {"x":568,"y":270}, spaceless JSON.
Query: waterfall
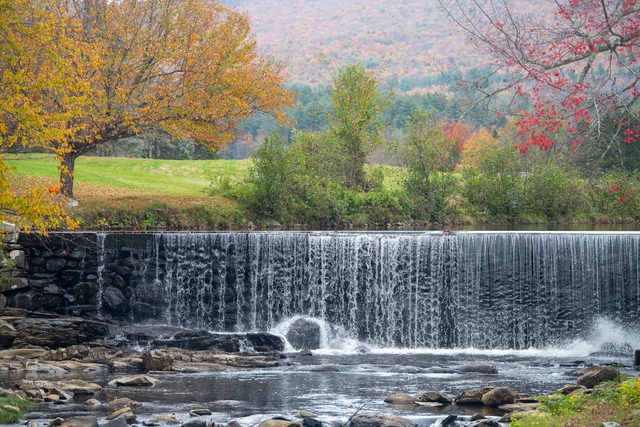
{"x":437,"y":290}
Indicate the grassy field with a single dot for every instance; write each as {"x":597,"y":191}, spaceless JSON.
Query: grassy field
{"x":139,"y":176}
{"x":141,"y":194}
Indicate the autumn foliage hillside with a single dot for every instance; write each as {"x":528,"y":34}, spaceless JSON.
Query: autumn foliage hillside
{"x":403,"y":37}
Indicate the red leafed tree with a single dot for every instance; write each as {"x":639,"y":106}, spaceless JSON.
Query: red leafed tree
{"x":564,"y":72}
{"x":459,"y":132}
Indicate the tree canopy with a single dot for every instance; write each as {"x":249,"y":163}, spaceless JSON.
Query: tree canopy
{"x":189,"y":67}
{"x":563,"y":68}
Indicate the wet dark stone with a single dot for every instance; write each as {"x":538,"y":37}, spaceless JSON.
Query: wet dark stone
{"x":265,"y":342}
{"x":51,"y":302}
{"x":197,"y":422}
{"x":113,"y":298}
{"x":449,"y":421}
{"x":40,"y":284}
{"x":79,"y":254}
{"x":55,"y":264}
{"x":53,"y":289}
{"x":119,"y":281}
{"x":123,"y":271}
{"x":70,"y":278}
{"x":131,"y":262}
{"x":17,"y":284}
{"x":203,"y":340}
{"x":28,"y":300}
{"x":143,"y":311}
{"x":36,"y":261}
{"x":148,"y":292}
{"x":304,"y":335}
{"x":311,"y":422}
{"x":84,"y":293}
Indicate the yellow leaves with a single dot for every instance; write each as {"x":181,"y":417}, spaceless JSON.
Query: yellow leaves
{"x":475,"y":144}
{"x":91,"y":72}
{"x":31,"y":207}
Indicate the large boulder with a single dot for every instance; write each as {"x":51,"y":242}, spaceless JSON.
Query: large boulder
{"x":595,"y":375}
{"x":499,"y":396}
{"x":472,"y":396}
{"x":399,"y":398}
{"x":434,"y":396}
{"x":380,"y":421}
{"x":158,"y":360}
{"x":304,"y":334}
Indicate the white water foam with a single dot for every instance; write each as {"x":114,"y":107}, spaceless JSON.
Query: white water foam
{"x":604,"y":333}
{"x":333,"y":339}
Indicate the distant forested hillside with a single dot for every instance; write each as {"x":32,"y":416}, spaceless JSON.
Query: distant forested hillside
{"x":401,"y":36}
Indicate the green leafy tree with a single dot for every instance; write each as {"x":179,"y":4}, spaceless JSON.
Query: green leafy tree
{"x":357,"y":104}
{"x":426,"y":151}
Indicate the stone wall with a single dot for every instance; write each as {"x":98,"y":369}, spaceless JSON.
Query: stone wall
{"x":76,"y":274}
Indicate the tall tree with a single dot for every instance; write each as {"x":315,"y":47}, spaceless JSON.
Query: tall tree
{"x":26,"y":35}
{"x":571,"y":63}
{"x":357,"y":103}
{"x":190,"y":67}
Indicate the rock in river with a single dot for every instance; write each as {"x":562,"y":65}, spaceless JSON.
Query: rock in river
{"x":499,"y":396}
{"x":380,"y":421}
{"x":139,"y":381}
{"x":595,"y":375}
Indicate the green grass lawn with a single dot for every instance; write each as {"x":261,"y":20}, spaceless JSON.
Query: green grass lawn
{"x":167,"y":177}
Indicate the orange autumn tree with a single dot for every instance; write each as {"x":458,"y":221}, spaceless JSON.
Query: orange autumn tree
{"x":190,"y":67}
{"x":27,"y":70}
{"x":477,"y":142}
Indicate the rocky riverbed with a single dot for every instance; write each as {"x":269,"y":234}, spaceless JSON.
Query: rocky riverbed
{"x":84,"y":373}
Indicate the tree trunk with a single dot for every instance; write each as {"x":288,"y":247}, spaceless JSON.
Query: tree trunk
{"x":66,"y":174}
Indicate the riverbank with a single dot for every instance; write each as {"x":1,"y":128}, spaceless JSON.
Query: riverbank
{"x":141,"y":194}
{"x":87,"y":373}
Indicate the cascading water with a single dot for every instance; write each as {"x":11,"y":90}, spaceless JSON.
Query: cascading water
{"x":435,"y":290}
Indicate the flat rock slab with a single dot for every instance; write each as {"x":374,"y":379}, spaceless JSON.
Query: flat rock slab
{"x":22,"y":353}
{"x":428,"y":404}
{"x":84,"y":421}
{"x":119,"y":412}
{"x":187,"y":367}
{"x":139,"y":381}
